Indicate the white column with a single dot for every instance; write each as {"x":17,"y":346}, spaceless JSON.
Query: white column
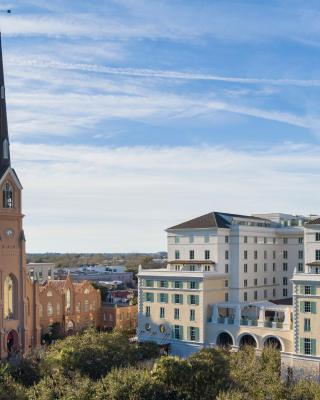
{"x":261,"y":319}
{"x":214,"y":317}
{"x":286,"y":322}
{"x":237,"y":316}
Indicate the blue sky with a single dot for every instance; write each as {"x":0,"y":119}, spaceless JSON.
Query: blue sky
{"x":128,"y":116}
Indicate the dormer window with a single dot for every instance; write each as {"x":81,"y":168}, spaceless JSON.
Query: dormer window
{"x":7,"y":196}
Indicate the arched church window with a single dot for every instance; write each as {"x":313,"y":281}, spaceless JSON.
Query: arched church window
{"x":7,"y":196}
{"x":68,"y":300}
{"x":10,"y":297}
{"x":5,"y":149}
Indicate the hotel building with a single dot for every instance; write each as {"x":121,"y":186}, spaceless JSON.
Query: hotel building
{"x":230,"y":280}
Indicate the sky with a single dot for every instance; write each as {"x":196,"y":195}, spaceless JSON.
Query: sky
{"x":127,"y":117}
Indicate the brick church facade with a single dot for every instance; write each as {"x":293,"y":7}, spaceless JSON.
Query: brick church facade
{"x":19,"y":307}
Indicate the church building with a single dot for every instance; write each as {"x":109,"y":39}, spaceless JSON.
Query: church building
{"x":19,"y":306}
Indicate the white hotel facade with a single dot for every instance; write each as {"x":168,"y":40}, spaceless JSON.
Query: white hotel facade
{"x":230,"y":279}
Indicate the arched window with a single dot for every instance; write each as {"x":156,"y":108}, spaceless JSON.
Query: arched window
{"x":49,"y":309}
{"x":49,"y":293}
{"x":86,"y":291}
{"x":86,"y":305}
{"x":7,"y":196}
{"x":68,"y":300}
{"x":10,"y":297}
{"x":5,"y":149}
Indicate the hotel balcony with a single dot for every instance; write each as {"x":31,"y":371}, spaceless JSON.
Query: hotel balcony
{"x":260,"y":314}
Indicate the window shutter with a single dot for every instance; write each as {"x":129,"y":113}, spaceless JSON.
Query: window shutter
{"x":189,"y":301}
{"x":313,"y":307}
{"x":197,"y":285}
{"x":189,"y":284}
{"x":197,"y":300}
{"x":196,"y":333}
{"x":144,"y":297}
{"x":301,"y":349}
{"x":313,"y":347}
{"x":172,"y":298}
{"x":166,"y":284}
{"x":158,"y":297}
{"x":181,"y":299}
{"x":313,"y":290}
{"x":188,"y":333}
{"x":181,"y":332}
{"x":166,"y":298}
{"x":302,"y":306}
{"x":172,"y":332}
{"x":152,"y":297}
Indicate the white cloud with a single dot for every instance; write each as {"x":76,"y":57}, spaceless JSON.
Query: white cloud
{"x":80,"y":198}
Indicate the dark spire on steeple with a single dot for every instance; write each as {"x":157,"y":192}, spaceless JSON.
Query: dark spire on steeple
{"x":4,"y":136}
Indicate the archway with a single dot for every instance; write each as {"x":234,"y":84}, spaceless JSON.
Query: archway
{"x":12,"y":341}
{"x":247,"y":340}
{"x":273,"y":341}
{"x":224,"y":339}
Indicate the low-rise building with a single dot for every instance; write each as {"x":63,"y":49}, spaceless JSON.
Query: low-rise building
{"x":74,"y":306}
{"x":123,"y":317}
{"x":40,"y":272}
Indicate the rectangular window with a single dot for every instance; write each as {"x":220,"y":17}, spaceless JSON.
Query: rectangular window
{"x":285,"y":281}
{"x":285,"y":254}
{"x":300,"y":240}
{"x":255,"y":295}
{"x":255,"y":268}
{"x":265,"y":281}
{"x":273,"y":266}
{"x":207,"y":254}
{"x":193,"y":285}
{"x":307,"y":346}
{"x":265,"y":240}
{"x":255,"y":282}
{"x":163,"y":284}
{"x":245,"y":254}
{"x":307,"y":325}
{"x":274,"y":292}
{"x":177,"y":267}
{"x":265,"y":254}
{"x":285,"y":292}
{"x":245,"y":268}
{"x":192,"y":315}
{"x":226,"y":268}
{"x":308,"y":307}
{"x":177,"y":255}
{"x":285,"y":240}
{"x":245,"y":283}
{"x":149,"y":297}
{"x":206,"y":238}
{"x":149,"y":283}
{"x":317,"y":236}
{"x":307,"y":290}
{"x":193,"y":299}
{"x":265,"y":267}
{"x":191,"y":239}
{"x":274,"y":280}
{"x":178,"y":285}
{"x":226,"y":254}
{"x":274,"y":254}
{"x":255,"y":254}
{"x":265,"y":293}
{"x":274,"y":240}
{"x":191,"y":254}
{"x":192,"y":268}
{"x":176,"y":313}
{"x":285,"y":266}
{"x":245,"y":296}
{"x":226,"y":239}
{"x":177,"y":298}
{"x":226,"y":283}
{"x":148,"y":311}
{"x":163,"y":297}
{"x":207,"y":267}
{"x":178,"y":332}
{"x":226,"y":297}
{"x":300,"y":267}
{"x":193,"y":334}
{"x":317,"y":255}
{"x":177,"y":239}
{"x":162,"y":312}
{"x":256,"y":239}
{"x":245,"y":239}
{"x":300,"y":254}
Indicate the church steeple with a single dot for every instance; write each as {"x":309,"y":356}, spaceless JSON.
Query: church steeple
{"x":4,"y":136}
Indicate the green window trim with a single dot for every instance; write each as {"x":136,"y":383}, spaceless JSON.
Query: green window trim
{"x":195,"y":285}
{"x":196,"y":333}
{"x":165,"y":283}
{"x":173,"y":299}
{"x":179,"y":286}
{"x":313,"y":307}
{"x":162,"y":297}
{"x":148,"y":297}
{"x":149,"y":282}
{"x":195,"y":297}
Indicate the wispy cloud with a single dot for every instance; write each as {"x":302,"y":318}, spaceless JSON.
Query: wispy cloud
{"x":121,"y":199}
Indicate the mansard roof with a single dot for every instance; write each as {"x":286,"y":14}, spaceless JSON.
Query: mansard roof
{"x":213,"y":219}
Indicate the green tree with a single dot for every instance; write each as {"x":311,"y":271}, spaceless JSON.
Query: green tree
{"x":305,"y":390}
{"x":9,"y":389}
{"x":25,"y":371}
{"x":129,"y":384}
